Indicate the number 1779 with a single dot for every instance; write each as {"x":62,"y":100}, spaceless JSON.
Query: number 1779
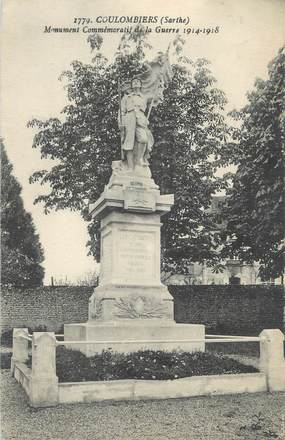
{"x":82,"y":20}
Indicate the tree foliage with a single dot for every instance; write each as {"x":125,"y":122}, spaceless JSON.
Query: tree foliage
{"x":255,"y":209}
{"x":21,"y":249}
{"x":190,"y":145}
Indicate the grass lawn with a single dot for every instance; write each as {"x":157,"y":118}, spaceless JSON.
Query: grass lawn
{"x":246,"y":417}
{"x":250,"y":349}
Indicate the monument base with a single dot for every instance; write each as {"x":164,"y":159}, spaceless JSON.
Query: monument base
{"x":131,"y":309}
{"x":126,"y":336}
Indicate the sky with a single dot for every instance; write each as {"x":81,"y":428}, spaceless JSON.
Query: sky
{"x":250,"y":34}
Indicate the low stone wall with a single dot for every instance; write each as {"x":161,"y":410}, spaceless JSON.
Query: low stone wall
{"x":223,"y":309}
{"x":164,"y":389}
{"x":44,"y":390}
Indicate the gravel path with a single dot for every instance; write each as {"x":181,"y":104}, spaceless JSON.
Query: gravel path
{"x":246,"y":417}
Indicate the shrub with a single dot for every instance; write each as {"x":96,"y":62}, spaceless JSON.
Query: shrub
{"x":5,"y":361}
{"x":6,"y":338}
{"x":74,"y":366}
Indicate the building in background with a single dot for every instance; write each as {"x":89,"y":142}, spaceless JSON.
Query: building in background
{"x":235,"y":272}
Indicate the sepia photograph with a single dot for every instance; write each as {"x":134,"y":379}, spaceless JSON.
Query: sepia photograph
{"x":142,"y":219}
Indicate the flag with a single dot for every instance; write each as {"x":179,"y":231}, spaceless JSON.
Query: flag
{"x":156,"y":77}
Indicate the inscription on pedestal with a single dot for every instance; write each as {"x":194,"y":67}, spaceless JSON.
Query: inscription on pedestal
{"x":136,"y":254}
{"x":138,"y":199}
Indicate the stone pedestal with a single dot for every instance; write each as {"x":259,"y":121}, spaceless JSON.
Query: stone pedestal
{"x":131,"y":309}
{"x":138,"y":334}
{"x":130,"y":286}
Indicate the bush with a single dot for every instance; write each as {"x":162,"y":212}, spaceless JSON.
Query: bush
{"x":74,"y":366}
{"x":5,"y":361}
{"x":6,"y":339}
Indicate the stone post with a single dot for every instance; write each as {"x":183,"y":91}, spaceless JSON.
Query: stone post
{"x":44,"y":382}
{"x":272,"y":361}
{"x":20,"y":347}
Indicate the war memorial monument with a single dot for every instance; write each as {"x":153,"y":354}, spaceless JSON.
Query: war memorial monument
{"x":131,"y":309}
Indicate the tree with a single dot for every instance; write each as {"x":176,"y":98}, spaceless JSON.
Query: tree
{"x":21,"y":249}
{"x":255,"y":211}
{"x":189,"y":131}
